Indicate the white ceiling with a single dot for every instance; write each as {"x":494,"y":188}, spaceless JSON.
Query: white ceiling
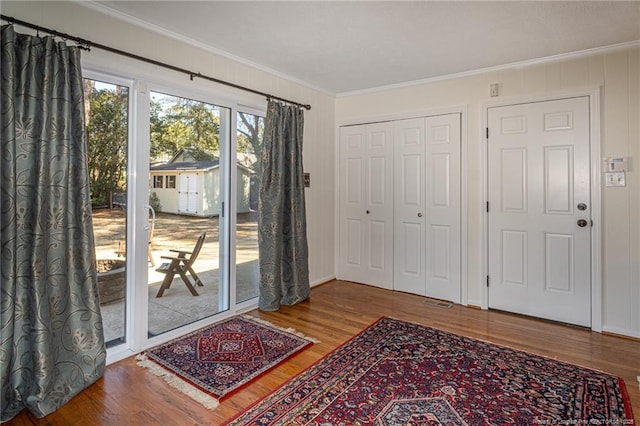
{"x":348,"y":46}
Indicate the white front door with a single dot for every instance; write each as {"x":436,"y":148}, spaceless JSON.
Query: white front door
{"x":188,"y":193}
{"x":366,"y":204}
{"x":539,"y":225}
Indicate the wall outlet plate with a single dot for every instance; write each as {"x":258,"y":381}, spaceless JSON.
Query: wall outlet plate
{"x":494,"y":89}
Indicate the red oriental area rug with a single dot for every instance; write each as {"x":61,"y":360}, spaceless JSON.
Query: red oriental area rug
{"x":399,"y":373}
{"x":213,"y":362}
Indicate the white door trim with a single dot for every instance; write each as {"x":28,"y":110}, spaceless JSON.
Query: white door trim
{"x":464,"y":216}
{"x":596,"y":212}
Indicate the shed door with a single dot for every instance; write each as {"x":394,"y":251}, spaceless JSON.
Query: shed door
{"x":188,"y":193}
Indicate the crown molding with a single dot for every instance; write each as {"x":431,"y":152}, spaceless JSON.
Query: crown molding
{"x":91,"y":4}
{"x":105,"y":10}
{"x":521,"y":64}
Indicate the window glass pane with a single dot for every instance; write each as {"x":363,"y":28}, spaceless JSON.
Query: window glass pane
{"x":250,"y":132}
{"x":106,"y":114}
{"x":157,"y":181}
{"x":186,"y":139}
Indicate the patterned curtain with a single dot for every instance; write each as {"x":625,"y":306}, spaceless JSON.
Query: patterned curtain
{"x":51,"y":342}
{"x":282,"y":223}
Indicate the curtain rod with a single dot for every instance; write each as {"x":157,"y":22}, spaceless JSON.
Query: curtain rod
{"x":87,"y":44}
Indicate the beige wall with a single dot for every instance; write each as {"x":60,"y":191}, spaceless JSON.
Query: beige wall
{"x":82,"y":21}
{"x":618,"y":74}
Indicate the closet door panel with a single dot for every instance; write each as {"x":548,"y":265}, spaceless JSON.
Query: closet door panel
{"x":379,"y":210}
{"x":353,"y":190}
{"x":409,"y":208}
{"x":443,"y":207}
{"x":366,"y":211}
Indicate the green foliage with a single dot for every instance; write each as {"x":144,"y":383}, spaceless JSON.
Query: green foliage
{"x":160,"y":141}
{"x":179,"y":123}
{"x":154,"y":202}
{"x":107,"y":137}
{"x":175,"y":124}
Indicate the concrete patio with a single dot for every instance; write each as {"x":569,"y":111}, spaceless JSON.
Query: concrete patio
{"x":177,"y":306}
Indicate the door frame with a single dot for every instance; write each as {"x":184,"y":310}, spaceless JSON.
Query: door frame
{"x":595,"y":182}
{"x":461,"y":109}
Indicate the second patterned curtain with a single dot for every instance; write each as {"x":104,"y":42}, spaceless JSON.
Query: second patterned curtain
{"x":282,"y":225}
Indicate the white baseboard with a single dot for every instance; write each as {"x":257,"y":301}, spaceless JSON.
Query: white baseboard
{"x":621,"y":331}
{"x":322,"y":280}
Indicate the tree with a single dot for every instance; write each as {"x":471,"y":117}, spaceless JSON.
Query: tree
{"x":161,"y":143}
{"x":180,"y":123}
{"x":250,"y":133}
{"x":249,"y":142}
{"x":107,"y":135}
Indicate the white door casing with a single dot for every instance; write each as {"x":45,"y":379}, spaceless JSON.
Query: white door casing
{"x":366,"y":204}
{"x":539,"y":258}
{"x":443,"y":207}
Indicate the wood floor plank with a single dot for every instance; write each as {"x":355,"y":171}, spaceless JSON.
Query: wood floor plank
{"x":336,"y":311}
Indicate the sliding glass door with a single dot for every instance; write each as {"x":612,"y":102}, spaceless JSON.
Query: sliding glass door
{"x":107,"y":127}
{"x":250,"y":129}
{"x":187,"y":173}
{"x":165,"y":182}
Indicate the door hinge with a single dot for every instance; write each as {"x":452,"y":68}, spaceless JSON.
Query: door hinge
{"x":487,"y":133}
{"x":487,"y":207}
{"x":487,"y":280}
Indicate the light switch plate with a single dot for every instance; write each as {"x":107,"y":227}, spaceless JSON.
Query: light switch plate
{"x":615,"y":179}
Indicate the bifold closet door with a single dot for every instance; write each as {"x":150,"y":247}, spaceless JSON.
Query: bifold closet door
{"x":366,"y":204}
{"x":427,"y":206}
{"x":409,"y":207}
{"x":443,"y":206}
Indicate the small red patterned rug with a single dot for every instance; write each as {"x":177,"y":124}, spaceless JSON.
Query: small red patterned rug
{"x":213,"y":362}
{"x":399,"y":373}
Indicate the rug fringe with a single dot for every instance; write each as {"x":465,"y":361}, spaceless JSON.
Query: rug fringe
{"x":174,"y":381}
{"x":287,"y":330}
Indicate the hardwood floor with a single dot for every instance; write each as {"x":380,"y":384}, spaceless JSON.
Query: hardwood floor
{"x":336,"y":312}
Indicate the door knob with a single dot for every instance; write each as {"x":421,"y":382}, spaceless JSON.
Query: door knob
{"x":367,"y":212}
{"x":582,"y":223}
{"x":419,"y":214}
